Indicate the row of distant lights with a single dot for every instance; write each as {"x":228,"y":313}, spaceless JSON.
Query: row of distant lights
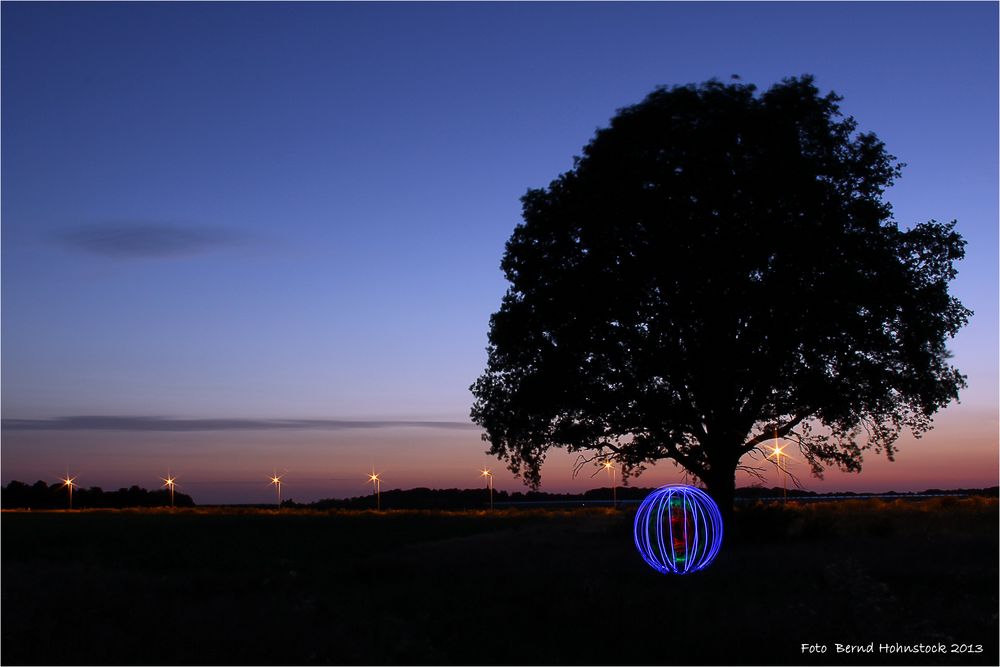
{"x":70,"y":483}
{"x":170,"y":482}
{"x":374,"y":478}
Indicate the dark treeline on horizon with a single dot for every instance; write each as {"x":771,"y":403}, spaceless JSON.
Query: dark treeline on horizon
{"x":18,"y":495}
{"x":456,"y":499}
{"x":425,"y":498}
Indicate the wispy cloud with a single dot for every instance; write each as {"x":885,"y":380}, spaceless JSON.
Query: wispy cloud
{"x":127,"y":423}
{"x":144,"y":240}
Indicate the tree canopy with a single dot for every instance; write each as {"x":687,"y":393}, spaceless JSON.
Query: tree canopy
{"x":720,"y":266}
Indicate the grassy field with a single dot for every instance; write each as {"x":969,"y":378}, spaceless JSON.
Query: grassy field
{"x":507,"y":587}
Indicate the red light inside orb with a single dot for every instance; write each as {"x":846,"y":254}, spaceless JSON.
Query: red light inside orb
{"x":680,"y":527}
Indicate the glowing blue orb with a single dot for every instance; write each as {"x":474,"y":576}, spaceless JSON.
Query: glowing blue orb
{"x":678,"y":529}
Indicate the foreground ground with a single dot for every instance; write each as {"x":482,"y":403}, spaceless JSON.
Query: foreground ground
{"x":507,"y":587}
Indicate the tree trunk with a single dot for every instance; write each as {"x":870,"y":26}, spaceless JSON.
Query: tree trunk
{"x":721,"y":485}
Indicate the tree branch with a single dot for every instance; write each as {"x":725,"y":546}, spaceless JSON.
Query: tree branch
{"x":685,"y":460}
{"x":768,"y":434}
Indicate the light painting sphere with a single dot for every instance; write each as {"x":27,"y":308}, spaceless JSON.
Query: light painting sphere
{"x":678,"y":529}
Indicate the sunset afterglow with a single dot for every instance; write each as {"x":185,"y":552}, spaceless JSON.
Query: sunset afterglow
{"x":305,"y":276}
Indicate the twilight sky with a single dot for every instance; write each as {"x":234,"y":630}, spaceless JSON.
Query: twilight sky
{"x":275,"y":221}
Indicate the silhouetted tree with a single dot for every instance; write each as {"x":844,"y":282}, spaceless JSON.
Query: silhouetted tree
{"x":718,"y":266}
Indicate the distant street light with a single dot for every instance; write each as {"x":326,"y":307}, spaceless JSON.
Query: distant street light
{"x":170,"y":482}
{"x":276,"y":480}
{"x":68,"y":483}
{"x":485,"y":472}
{"x":610,"y":467}
{"x":778,"y":452}
{"x":377,"y":488}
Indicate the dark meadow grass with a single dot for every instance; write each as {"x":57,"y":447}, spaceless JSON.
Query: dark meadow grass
{"x":206,"y":586}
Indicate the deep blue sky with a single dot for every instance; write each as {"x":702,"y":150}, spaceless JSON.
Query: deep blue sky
{"x":298,"y":210}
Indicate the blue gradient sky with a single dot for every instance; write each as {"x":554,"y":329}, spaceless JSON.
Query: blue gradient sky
{"x":297,"y":211}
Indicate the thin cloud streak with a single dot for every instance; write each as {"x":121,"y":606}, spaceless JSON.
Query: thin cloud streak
{"x":123,"y":423}
{"x":144,"y":240}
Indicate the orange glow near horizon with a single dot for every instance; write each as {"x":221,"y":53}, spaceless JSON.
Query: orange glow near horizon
{"x":960,"y":452}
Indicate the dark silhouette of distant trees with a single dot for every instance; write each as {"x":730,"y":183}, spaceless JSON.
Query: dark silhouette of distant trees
{"x":720,"y":266}
{"x":18,"y":495}
{"x":418,"y":498}
{"x":467,"y":499}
